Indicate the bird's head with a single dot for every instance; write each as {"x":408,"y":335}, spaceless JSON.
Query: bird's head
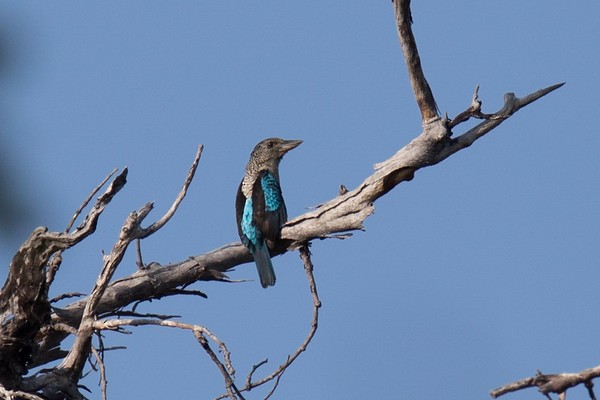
{"x":272,"y":150}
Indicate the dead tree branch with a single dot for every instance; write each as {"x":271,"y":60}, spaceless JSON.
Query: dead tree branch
{"x":88,"y":199}
{"x":24,"y":306}
{"x":24,"y":312}
{"x":169,"y":214}
{"x":103,"y":382}
{"x":552,"y":383}
{"x":421,"y":88}
{"x":56,"y":259}
{"x":17,"y":394}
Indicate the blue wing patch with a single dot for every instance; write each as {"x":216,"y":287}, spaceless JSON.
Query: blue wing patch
{"x":272,"y":192}
{"x":251,"y":233}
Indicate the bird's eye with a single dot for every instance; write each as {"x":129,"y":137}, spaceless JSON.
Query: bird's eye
{"x":270,"y":144}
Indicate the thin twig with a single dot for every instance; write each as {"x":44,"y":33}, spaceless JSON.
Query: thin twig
{"x":254,"y":368}
{"x":56,"y":261}
{"x":138,"y":248}
{"x":188,"y":180}
{"x":474,"y":111}
{"x":308,"y":267}
{"x":229,"y":383}
{"x":88,"y":199}
{"x":275,"y":385}
{"x":125,"y":313}
{"x":172,"y":292}
{"x":65,"y":296}
{"x":103,"y":381}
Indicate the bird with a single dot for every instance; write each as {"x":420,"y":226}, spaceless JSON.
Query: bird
{"x":260,"y":208}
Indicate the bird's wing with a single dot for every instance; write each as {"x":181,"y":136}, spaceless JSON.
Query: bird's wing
{"x":268,"y":205}
{"x":240,"y":201}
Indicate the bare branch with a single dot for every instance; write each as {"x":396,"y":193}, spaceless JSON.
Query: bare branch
{"x":308,"y":267}
{"x":65,"y":296}
{"x":552,"y":383}
{"x":17,"y":394}
{"x":512,"y":104}
{"x":100,"y":361}
{"x":121,"y":314}
{"x":421,"y":88}
{"x":89,"y":198}
{"x":138,"y":250}
{"x":474,"y":111}
{"x":275,"y":385}
{"x":56,"y":260}
{"x":229,"y":383}
{"x":255,"y":367}
{"x":188,"y":180}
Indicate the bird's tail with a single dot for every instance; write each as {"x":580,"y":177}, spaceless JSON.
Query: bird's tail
{"x":264,"y":265}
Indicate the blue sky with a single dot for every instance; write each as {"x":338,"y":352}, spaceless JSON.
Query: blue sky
{"x":477,"y":273}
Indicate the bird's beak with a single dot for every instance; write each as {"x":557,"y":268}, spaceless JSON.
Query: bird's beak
{"x":288,"y":145}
